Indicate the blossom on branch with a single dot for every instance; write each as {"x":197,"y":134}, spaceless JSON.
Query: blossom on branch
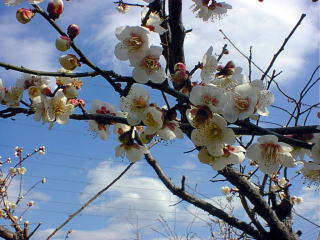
{"x":311,"y":172}
{"x":240,"y":103}
{"x":132,"y":151}
{"x":149,"y":67}
{"x":230,"y":155}
{"x":170,"y":130}
{"x":135,"y":103}
{"x":134,"y":43}
{"x":100,"y":127}
{"x":154,"y":22}
{"x":213,"y":135}
{"x":271,"y":154}
{"x":59,"y":109}
{"x":210,"y":9}
{"x":209,"y":66}
{"x":152,"y":118}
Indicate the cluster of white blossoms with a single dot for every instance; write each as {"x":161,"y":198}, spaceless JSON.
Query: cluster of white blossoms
{"x":210,"y":9}
{"x":222,"y":96}
{"x":134,"y":46}
{"x":49,"y":106}
{"x":311,"y":169}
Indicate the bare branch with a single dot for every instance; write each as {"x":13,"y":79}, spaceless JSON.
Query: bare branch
{"x":282,"y":46}
{"x":90,"y":201}
{"x":233,"y":221}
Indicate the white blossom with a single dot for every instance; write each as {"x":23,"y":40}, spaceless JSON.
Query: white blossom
{"x":132,"y":151}
{"x":154,"y":21}
{"x":210,"y":9}
{"x":134,"y":42}
{"x":59,"y":110}
{"x":208,"y":95}
{"x":230,"y":155}
{"x":264,"y":98}
{"x":214,"y":135}
{"x":99,"y":107}
{"x":315,"y":151}
{"x":209,"y":66}
{"x":149,"y":67}
{"x":240,"y":103}
{"x":311,"y":172}
{"x":152,"y":118}
{"x":170,"y":130}
{"x":135,"y":103}
{"x":270,"y":154}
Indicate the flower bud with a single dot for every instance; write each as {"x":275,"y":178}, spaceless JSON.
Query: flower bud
{"x":70,"y":92}
{"x":63,"y":43}
{"x":74,"y":102}
{"x":82,"y":102}
{"x":47,"y":92}
{"x":55,"y":9}
{"x":73,"y":31}
{"x":123,"y":8}
{"x":180,"y":66}
{"x":69,"y":62}
{"x":24,"y":15}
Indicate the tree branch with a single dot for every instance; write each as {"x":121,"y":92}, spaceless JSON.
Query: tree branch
{"x":209,"y":208}
{"x":90,"y":201}
{"x":278,"y":229}
{"x":282,"y":46}
{"x":7,"y":234}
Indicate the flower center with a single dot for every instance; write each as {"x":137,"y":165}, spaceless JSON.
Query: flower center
{"x":139,"y":104}
{"x":210,"y":100}
{"x":214,"y":131}
{"x":242,"y":104}
{"x":135,"y":42}
{"x":201,"y":114}
{"x":103,"y":110}
{"x":58,"y":108}
{"x":227,"y":150}
{"x":150,"y":120}
{"x":270,"y":152}
{"x":151,"y":63}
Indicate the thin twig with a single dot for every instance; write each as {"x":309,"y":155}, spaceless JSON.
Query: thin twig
{"x":90,"y":201}
{"x":282,"y":46}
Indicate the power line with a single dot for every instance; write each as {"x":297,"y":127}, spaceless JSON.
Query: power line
{"x":102,"y":159}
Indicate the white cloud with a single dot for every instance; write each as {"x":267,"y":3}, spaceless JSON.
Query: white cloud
{"x":19,"y":47}
{"x":261,"y":25}
{"x":250,"y":23}
{"x":145,"y":197}
{"x":311,"y":196}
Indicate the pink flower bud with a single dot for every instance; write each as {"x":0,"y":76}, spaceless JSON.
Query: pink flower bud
{"x":73,"y":30}
{"x":74,"y":102}
{"x":47,"y":92}
{"x":24,"y":15}
{"x":63,"y":43}
{"x":180,"y":66}
{"x":55,"y":8}
{"x":69,"y":62}
{"x":82,"y":102}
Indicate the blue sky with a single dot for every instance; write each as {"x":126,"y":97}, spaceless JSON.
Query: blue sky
{"x":78,"y":163}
